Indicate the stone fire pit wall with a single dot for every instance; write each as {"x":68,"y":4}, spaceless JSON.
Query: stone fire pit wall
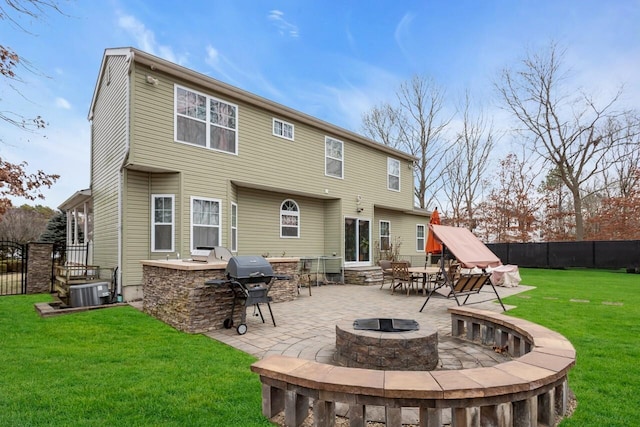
{"x":400,"y":351}
{"x":175,"y":292}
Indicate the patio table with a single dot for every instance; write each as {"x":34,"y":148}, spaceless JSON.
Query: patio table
{"x":429,"y":274}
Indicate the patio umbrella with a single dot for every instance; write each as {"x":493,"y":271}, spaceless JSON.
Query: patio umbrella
{"x":432,"y":246}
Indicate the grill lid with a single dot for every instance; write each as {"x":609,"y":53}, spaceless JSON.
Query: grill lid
{"x":249,"y":267}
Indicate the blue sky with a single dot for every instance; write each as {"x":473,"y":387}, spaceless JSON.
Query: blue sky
{"x":332,"y":59}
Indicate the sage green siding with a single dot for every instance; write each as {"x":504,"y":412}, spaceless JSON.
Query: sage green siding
{"x":135,"y":228}
{"x":108,"y":150}
{"x":262,"y":159}
{"x":403,"y":232}
{"x":264,"y":172}
{"x":259,"y":225}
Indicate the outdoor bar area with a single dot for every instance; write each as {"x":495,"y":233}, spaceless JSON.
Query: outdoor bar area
{"x":175,"y":291}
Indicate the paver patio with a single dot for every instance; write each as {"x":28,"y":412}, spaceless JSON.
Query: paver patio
{"x":306,"y":326}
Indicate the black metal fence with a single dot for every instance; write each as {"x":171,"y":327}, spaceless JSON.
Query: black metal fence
{"x":13,"y":268}
{"x":610,"y":254}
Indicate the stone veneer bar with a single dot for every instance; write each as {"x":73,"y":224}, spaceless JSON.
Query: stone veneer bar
{"x":174,"y":291}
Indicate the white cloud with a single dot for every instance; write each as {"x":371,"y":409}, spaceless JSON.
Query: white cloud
{"x":402,"y":33}
{"x":238,"y":76}
{"x":63,"y":103}
{"x":284,"y":27}
{"x":361,"y":87}
{"x":146,"y":39}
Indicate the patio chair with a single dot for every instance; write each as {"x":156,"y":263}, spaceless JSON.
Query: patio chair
{"x":464,"y":285}
{"x":402,"y":278}
{"x":387,"y":274}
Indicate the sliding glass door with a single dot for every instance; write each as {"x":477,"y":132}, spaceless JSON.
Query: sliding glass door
{"x":357,"y":236}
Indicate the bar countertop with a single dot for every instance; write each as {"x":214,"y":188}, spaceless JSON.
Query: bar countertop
{"x":189,"y":265}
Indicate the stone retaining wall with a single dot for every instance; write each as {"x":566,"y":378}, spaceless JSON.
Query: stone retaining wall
{"x":531,"y":390}
{"x":363,"y":276}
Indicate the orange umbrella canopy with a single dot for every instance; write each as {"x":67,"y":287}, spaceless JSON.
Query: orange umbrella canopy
{"x":433,"y":246}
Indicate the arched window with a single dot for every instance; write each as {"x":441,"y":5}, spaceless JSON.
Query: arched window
{"x":289,"y":219}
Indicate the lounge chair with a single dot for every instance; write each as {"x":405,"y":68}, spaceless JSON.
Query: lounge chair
{"x":464,"y":285}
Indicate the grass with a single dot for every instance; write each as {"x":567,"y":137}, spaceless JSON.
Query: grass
{"x":118,"y":367}
{"x":599,"y":312}
{"x":121,"y":367}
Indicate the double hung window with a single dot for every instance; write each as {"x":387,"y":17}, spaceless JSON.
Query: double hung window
{"x":385,"y":235}
{"x":420,"y":228}
{"x":205,"y":121}
{"x":334,"y":158}
{"x":205,"y":222}
{"x":234,"y":227}
{"x":162,"y":222}
{"x":393,"y":174}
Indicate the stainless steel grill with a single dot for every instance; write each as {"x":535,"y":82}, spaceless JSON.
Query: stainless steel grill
{"x":250,"y":279}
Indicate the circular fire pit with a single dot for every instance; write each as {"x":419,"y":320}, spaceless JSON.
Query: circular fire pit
{"x":415,"y":350}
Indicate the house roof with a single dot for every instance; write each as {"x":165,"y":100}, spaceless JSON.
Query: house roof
{"x":78,"y":199}
{"x":415,"y":211}
{"x":158,"y":64}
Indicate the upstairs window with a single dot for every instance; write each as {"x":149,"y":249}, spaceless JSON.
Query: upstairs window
{"x":205,"y":222}
{"x":205,"y":121}
{"x":162,"y":223}
{"x":420,"y":237}
{"x":334,"y":161}
{"x":289,"y":219}
{"x":393,"y":174}
{"x":282,"y":129}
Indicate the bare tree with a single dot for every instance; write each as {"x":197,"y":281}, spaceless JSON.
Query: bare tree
{"x":556,"y":215}
{"x":24,"y":224}
{"x":570,"y":130}
{"x":415,"y":125}
{"x":14,"y":179}
{"x":466,"y":165}
{"x":12,"y":12}
{"x":510,"y":211}
{"x":622,"y":178}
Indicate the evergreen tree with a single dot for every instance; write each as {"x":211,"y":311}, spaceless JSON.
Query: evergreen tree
{"x":56,"y":231}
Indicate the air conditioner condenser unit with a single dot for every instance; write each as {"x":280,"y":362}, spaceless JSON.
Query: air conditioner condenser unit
{"x":89,"y":294}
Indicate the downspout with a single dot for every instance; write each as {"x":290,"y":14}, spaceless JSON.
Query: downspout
{"x":127,"y":112}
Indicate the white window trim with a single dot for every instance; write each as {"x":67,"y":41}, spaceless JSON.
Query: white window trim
{"x":234,"y":241}
{"x":207,"y":122}
{"x":208,"y":199}
{"x":389,"y":174}
{"x":153,"y":222}
{"x":297,"y":213}
{"x":380,"y":235}
{"x":326,"y":140}
{"x":283,"y":123}
{"x":424,"y":237}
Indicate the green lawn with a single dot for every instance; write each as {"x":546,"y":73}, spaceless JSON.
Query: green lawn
{"x":118,"y":367}
{"x":599,"y":312}
{"x":121,"y":367}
